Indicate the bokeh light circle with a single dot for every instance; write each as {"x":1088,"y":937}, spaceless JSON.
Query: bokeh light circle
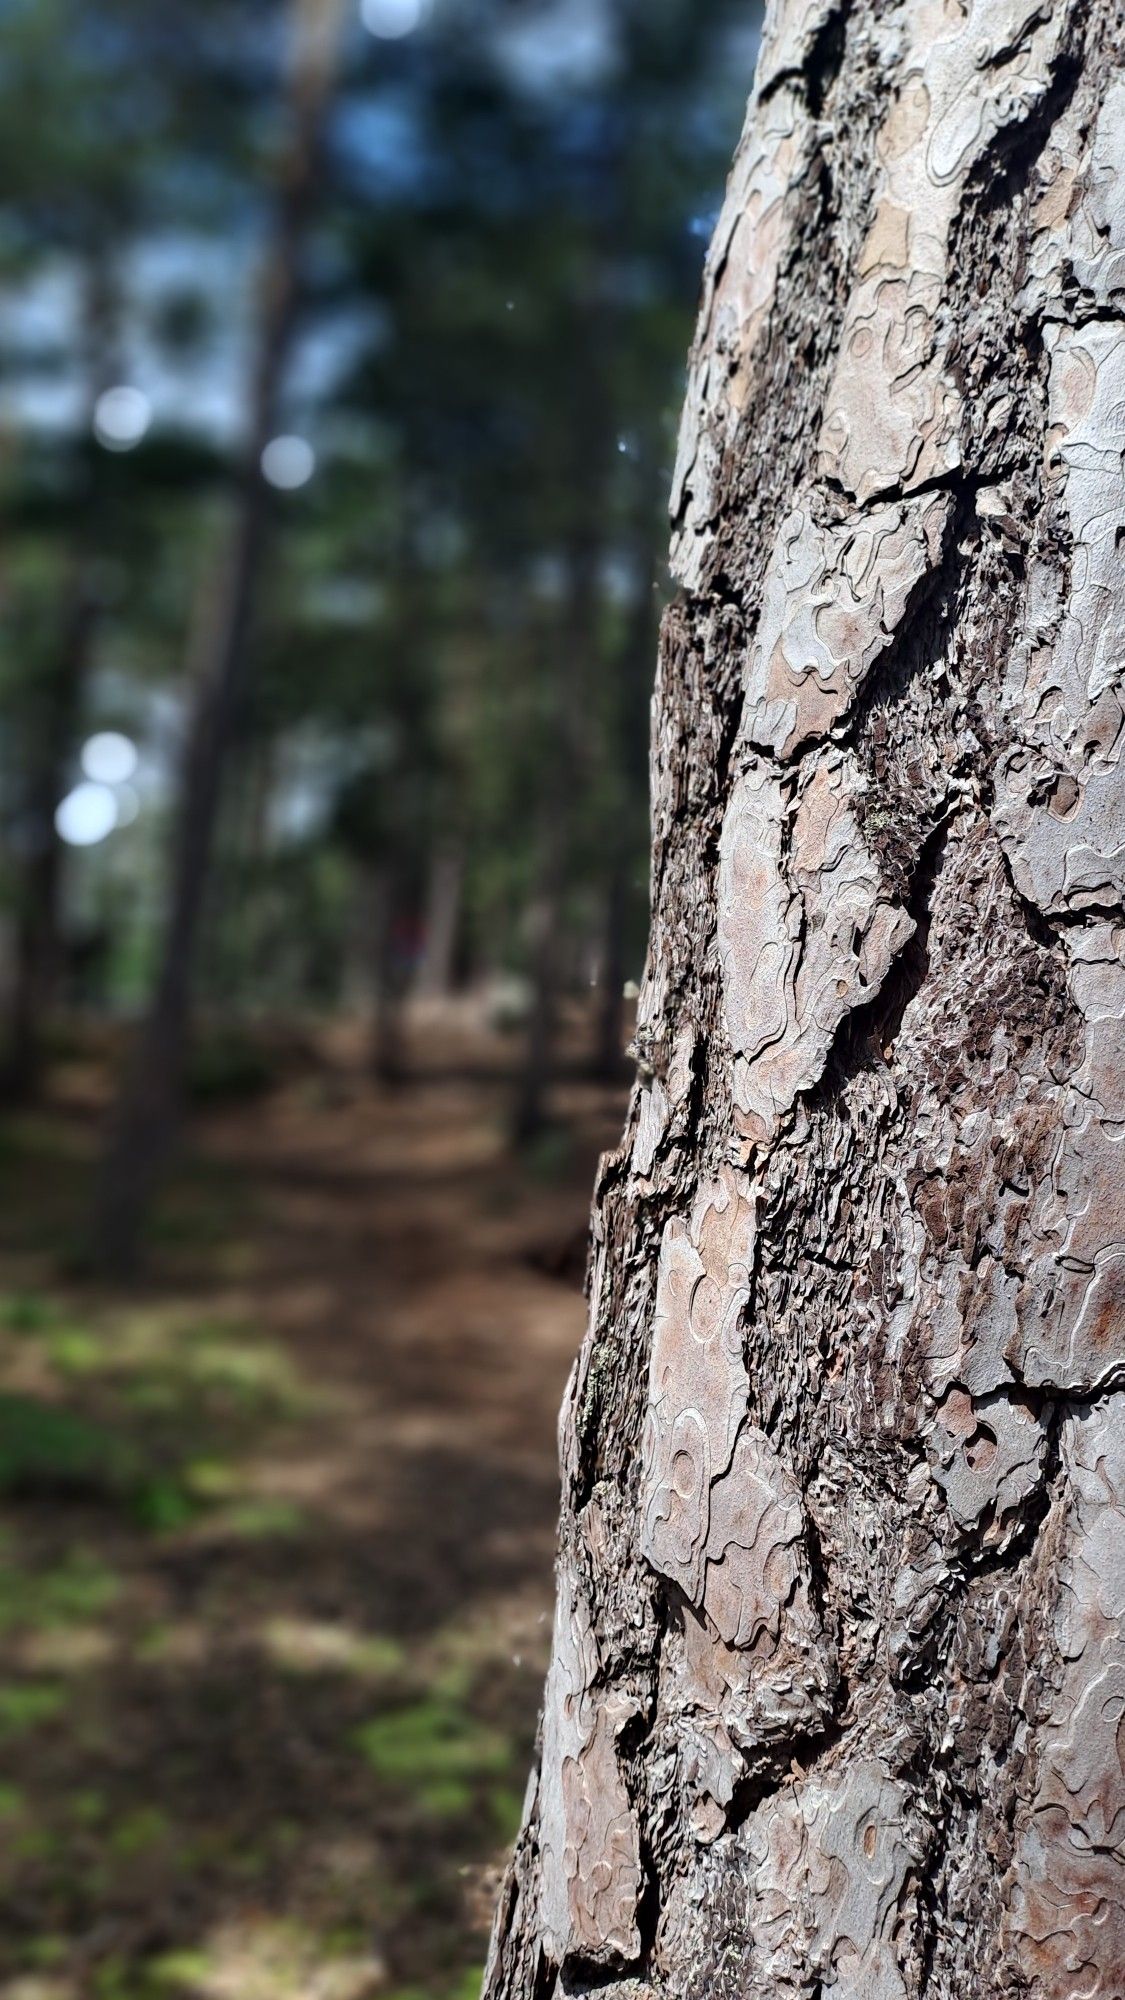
{"x":109,"y":758}
{"x":86,"y":815}
{"x":288,"y":462}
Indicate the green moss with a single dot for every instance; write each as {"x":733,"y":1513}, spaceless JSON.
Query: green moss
{"x":436,"y":1753}
{"x":24,"y":1705}
{"x":45,"y":1951}
{"x":47,"y":1450}
{"x":506,"y":1808}
{"x":88,"y":1807}
{"x":173,"y":1969}
{"x":28,"y":1312}
{"x":74,"y":1351}
{"x":445,"y":1798}
{"x":138,"y":1832}
{"x":69,"y":1594}
{"x":257,"y":1520}
{"x":211,"y":1479}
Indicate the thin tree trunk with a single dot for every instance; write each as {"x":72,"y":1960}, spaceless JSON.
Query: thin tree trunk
{"x":570,"y":667}
{"x":534,"y":1083}
{"x":632,"y":680}
{"x":147,"y":1112}
{"x":609,"y":1039}
{"x":837,"y":1692}
{"x":55,"y":711}
{"x":38,"y":943}
{"x":571,"y":664}
{"x":434,"y":978}
{"x":387,"y":1062}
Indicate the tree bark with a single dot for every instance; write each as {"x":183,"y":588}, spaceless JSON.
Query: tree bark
{"x":146,"y":1114}
{"x":838,"y":1685}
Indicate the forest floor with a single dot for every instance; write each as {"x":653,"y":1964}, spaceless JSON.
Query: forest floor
{"x":276,"y":1530}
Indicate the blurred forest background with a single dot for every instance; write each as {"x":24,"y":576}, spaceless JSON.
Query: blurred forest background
{"x":341,"y":354}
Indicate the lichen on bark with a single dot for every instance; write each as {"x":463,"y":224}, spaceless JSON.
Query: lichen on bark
{"x":838,"y":1699}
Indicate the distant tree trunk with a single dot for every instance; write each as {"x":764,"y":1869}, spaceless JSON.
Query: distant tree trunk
{"x":632,"y":676}
{"x":570,"y":670}
{"x":436,"y":967}
{"x":837,"y":1697}
{"x":146,"y":1114}
{"x":533,"y":1088}
{"x":38,"y":942}
{"x":387,"y":981}
{"x":609,"y":1040}
{"x":571,"y":664}
{"x":54,"y":715}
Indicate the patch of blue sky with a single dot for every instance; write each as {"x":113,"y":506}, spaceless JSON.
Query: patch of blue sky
{"x":561,"y":45}
{"x":383,"y":140}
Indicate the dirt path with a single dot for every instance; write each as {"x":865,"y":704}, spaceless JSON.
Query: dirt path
{"x":274,"y":1611}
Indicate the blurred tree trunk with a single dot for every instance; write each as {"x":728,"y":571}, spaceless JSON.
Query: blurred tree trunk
{"x":54,"y":709}
{"x":835,"y":1701}
{"x":544,"y":915}
{"x":629,"y":764}
{"x":569,"y":665}
{"x":569,"y":668}
{"x":609,"y":1039}
{"x":437,"y":966}
{"x":146,"y":1114}
{"x":57,"y":708}
{"x":387,"y":981}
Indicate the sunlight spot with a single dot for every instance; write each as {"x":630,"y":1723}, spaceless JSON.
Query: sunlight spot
{"x":309,"y":1646}
{"x":121,"y":417}
{"x":109,"y":758}
{"x":256,"y":1957}
{"x":72,"y":1650}
{"x":390,"y":20}
{"x":288,"y":462}
{"x":86,"y":815}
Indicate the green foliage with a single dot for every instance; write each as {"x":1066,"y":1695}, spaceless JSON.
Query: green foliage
{"x":27,"y":1705}
{"x":457,"y":629}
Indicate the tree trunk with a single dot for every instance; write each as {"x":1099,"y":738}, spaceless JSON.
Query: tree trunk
{"x":632,"y":678}
{"x":146,"y":1115}
{"x":837,"y":1698}
{"x":436,"y":968}
{"x":384,"y":904}
{"x":531,"y":1111}
{"x":53,"y":714}
{"x":608,"y":1058}
{"x":57,"y":710}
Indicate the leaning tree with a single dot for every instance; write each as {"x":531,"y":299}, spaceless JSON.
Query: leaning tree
{"x":837,"y":1697}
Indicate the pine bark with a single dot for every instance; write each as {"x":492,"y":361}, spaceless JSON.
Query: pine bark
{"x":837,"y":1697}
